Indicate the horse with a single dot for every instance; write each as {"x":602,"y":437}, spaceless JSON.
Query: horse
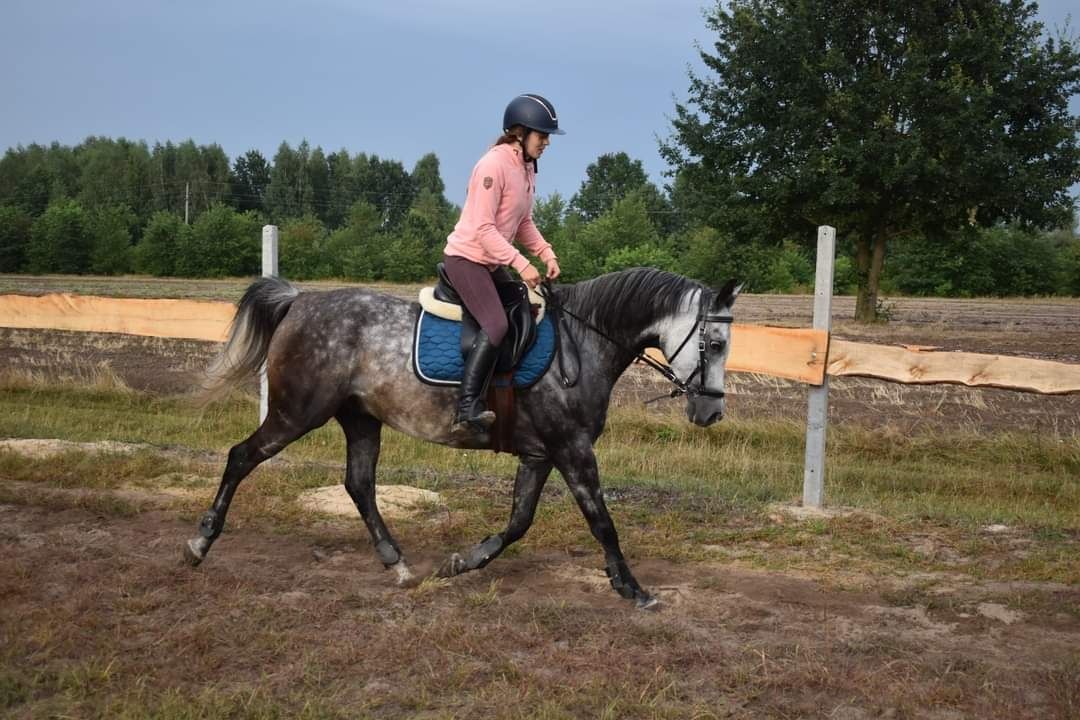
{"x":347,"y":354}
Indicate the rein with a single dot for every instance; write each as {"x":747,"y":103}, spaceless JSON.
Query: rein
{"x":682,"y":387}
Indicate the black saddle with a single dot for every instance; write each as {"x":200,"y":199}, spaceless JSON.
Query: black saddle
{"x":521,"y":331}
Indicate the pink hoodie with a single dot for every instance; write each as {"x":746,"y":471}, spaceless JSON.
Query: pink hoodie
{"x":498,"y":210}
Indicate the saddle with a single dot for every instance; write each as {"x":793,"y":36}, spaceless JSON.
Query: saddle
{"x":524,"y":354}
{"x":521,"y":330}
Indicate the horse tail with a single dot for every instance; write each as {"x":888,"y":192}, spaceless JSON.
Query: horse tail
{"x":261,"y":310}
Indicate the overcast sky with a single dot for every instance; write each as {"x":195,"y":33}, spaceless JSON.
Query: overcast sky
{"x":397,"y":78}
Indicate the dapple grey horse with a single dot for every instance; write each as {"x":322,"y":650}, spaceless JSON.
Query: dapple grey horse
{"x":347,"y":355}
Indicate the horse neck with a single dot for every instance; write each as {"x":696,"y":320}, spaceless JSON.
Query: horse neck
{"x":629,"y":330}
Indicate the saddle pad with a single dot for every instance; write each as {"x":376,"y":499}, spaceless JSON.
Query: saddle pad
{"x":437,"y":352}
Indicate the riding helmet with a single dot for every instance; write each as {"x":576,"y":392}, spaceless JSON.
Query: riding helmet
{"x":533,"y":112}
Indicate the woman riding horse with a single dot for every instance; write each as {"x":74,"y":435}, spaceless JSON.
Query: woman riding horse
{"x":498,"y":210}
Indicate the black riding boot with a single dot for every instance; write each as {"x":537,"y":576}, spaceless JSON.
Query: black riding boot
{"x":472,"y":413}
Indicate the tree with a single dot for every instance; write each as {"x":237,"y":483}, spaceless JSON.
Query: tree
{"x":110,"y":231}
{"x":159,"y":248}
{"x":290,"y":193}
{"x":623,"y":234}
{"x":221,"y":243}
{"x":59,"y":241}
{"x":548,"y":214}
{"x":249,"y":180}
{"x":426,"y":175}
{"x":301,"y":247}
{"x":15,"y":224}
{"x":885,"y":120}
{"x":610,"y":179}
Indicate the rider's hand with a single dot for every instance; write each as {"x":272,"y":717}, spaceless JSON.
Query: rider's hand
{"x":552,"y":269}
{"x":530,"y":277}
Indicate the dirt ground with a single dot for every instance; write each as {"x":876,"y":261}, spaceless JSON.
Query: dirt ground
{"x":307,"y":623}
{"x":314,"y":612}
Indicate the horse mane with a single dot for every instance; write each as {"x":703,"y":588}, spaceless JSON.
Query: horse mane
{"x":632,"y":294}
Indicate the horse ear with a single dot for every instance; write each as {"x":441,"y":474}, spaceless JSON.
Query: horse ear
{"x":725,"y":296}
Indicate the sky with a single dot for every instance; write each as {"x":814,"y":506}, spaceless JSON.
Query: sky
{"x":395,"y":78}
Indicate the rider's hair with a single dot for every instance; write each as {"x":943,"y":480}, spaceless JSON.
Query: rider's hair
{"x":511,"y":135}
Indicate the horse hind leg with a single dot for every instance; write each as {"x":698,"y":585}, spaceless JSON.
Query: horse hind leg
{"x":268,"y":440}
{"x":529,"y":482}
{"x":363,"y":440}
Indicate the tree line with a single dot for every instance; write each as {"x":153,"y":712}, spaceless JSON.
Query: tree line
{"x":115,"y":206}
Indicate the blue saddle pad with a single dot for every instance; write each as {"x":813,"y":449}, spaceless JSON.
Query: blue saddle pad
{"x":437,"y":352}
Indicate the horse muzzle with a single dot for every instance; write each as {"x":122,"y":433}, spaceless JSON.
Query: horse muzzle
{"x":704,"y":413}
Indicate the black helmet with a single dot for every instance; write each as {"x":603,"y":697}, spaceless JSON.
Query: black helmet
{"x":533,"y":112}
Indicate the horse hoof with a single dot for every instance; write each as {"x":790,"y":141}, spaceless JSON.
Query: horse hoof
{"x":193,"y":554}
{"x":647,"y":602}
{"x":405,"y":576}
{"x":453,"y":565}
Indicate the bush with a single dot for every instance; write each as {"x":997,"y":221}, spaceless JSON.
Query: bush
{"x":59,"y":240}
{"x":110,"y":229}
{"x":302,"y":247}
{"x":163,"y":236}
{"x":221,"y":243}
{"x":1001,"y":261}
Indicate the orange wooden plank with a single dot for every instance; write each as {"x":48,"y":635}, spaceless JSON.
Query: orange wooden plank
{"x":792,"y":353}
{"x":191,"y":319}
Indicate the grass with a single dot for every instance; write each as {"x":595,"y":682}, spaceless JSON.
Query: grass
{"x":1012,"y":478}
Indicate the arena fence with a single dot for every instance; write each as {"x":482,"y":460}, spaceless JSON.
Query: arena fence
{"x":806,"y":355}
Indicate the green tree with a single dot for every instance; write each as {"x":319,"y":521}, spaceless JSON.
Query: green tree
{"x":189,"y":175}
{"x":548,"y":214}
{"x":32,"y":177}
{"x":115,"y":173}
{"x":302,"y":241}
{"x":610,"y":179}
{"x":15,"y":224}
{"x":110,"y":230}
{"x":221,"y":243}
{"x":59,"y":241}
{"x":356,"y":251}
{"x":386,"y":185}
{"x":885,"y":120}
{"x":162,"y":239}
{"x":624,"y":229}
{"x":249,"y":180}
{"x":290,"y":193}
{"x":426,"y":176}
{"x":341,"y":192}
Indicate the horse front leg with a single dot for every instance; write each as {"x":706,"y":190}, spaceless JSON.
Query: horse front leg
{"x":578,"y":466}
{"x":529,"y":482}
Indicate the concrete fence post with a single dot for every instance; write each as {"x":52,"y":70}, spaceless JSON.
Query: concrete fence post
{"x":269,"y":269}
{"x":817,"y":413}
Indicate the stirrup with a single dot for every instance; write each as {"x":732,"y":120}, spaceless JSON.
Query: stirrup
{"x":481,"y":423}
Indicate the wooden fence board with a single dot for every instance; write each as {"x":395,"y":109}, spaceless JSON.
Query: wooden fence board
{"x":793,"y":353}
{"x":912,"y":366}
{"x":190,"y":319}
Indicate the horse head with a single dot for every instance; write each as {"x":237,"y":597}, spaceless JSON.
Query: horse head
{"x":703,"y":352}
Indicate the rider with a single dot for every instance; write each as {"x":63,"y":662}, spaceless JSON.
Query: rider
{"x":498,"y":210}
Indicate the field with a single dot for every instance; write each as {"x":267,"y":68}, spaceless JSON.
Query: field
{"x":943,"y":583}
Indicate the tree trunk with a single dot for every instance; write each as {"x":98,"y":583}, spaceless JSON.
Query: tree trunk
{"x":869,"y":259}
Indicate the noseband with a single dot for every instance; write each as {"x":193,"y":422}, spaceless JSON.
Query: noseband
{"x":682,"y":387}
